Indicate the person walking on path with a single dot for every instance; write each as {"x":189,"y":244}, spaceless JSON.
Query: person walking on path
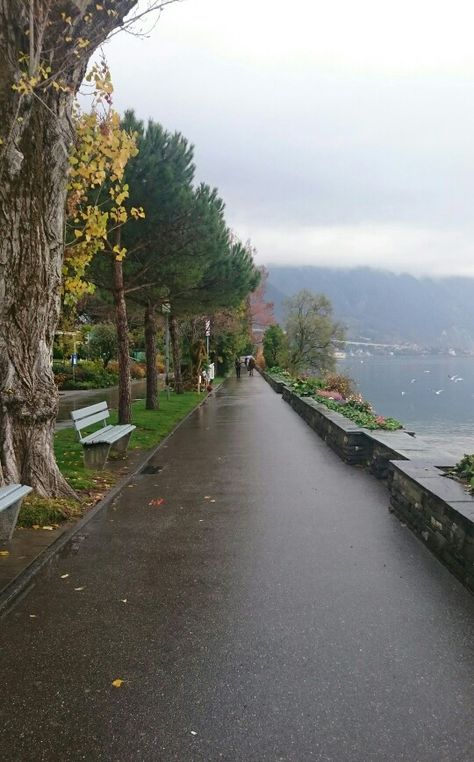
{"x":237,"y":367}
{"x":251,"y":365}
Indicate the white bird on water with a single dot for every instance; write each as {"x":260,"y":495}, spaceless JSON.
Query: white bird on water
{"x":413,"y":381}
{"x":426,"y":371}
{"x":439,"y":391}
{"x":458,"y":379}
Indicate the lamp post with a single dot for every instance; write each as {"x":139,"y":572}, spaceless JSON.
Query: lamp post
{"x":74,"y":351}
{"x":166,"y":309}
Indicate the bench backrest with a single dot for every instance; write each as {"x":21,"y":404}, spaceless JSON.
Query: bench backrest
{"x":87,"y":416}
{"x":11,"y":493}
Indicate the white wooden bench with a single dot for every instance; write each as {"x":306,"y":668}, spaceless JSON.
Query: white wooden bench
{"x":98,"y":444}
{"x":10,"y":504}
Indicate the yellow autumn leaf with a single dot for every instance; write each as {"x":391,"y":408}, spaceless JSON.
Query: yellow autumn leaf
{"x":4,"y":552}
{"x":117,"y":683}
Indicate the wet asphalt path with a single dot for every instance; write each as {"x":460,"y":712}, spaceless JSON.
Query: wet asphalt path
{"x":292,"y":619}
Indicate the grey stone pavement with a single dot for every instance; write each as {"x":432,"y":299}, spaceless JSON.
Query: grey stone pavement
{"x":270,"y":609}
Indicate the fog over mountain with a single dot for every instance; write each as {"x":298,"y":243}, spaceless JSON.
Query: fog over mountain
{"x":384,"y":307}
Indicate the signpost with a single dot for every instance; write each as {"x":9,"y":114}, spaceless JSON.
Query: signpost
{"x":208,"y":333}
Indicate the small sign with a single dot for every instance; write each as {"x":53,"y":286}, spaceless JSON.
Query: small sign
{"x":166,"y":308}
{"x":74,"y":359}
{"x":208,"y":327}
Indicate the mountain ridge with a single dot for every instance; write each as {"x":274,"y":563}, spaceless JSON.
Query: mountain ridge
{"x":382,"y":306}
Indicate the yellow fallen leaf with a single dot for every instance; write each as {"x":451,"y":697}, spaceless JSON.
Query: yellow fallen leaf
{"x":50,"y":529}
{"x":207,"y":497}
{"x":33,"y":616}
{"x":4,"y":552}
{"x":63,"y":576}
{"x":117,"y":683}
{"x":35,"y":526}
{"x":78,"y":588}
{"x":123,"y":600}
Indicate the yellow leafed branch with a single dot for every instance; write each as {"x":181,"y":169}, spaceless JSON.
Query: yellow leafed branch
{"x":96,"y":191}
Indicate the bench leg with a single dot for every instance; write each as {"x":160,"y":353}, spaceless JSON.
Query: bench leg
{"x":95,"y":456}
{"x":8,"y":519}
{"x":119,"y":448}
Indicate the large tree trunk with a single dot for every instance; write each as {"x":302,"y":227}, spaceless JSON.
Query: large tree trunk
{"x":176,"y":352}
{"x":152,"y":400}
{"x":36,"y":131}
{"x":121,"y":322}
{"x":33,"y":174}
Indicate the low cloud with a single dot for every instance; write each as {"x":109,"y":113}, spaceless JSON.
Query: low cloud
{"x":399,"y":248}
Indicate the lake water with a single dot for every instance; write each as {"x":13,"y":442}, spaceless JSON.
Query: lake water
{"x":422,"y":392}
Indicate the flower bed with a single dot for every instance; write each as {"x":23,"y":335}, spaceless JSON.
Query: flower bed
{"x":343,"y":400}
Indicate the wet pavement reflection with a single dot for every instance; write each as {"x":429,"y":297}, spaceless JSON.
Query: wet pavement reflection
{"x":257,"y":600}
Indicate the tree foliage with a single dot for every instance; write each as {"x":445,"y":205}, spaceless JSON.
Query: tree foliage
{"x":274,"y":346}
{"x":102,"y":343}
{"x":310,"y":332}
{"x":97,"y":191}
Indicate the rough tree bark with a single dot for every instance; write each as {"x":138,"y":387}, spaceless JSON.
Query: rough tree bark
{"x":152,"y":399}
{"x":121,"y":322}
{"x":36,"y":137}
{"x":176,"y":352}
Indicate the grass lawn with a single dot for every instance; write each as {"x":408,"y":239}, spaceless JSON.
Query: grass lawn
{"x":152,"y":427}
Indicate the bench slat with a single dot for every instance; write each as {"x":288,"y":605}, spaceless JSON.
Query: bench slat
{"x":86,"y":411}
{"x":108,"y":435}
{"x":84,"y":423}
{"x":90,"y":437}
{"x":12,"y":493}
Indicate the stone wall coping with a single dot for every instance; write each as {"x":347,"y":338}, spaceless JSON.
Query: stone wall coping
{"x":449,"y":491}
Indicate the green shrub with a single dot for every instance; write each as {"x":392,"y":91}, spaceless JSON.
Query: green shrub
{"x":465,"y":470}
{"x":87,"y":375}
{"x":306,"y":387}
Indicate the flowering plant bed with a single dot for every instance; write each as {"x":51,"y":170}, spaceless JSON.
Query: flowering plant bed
{"x":352,"y":406}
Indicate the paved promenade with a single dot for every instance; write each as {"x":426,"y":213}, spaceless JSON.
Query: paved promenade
{"x":271,"y":608}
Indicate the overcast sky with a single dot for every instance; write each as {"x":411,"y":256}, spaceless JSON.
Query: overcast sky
{"x":338,"y":133}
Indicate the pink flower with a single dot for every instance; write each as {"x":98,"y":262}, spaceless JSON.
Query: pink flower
{"x":330,"y":395}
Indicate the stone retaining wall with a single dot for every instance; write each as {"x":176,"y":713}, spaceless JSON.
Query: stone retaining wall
{"x":439,"y":511}
{"x":276,"y":384}
{"x":344,"y":437}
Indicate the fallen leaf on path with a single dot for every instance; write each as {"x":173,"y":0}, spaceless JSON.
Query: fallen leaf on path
{"x":4,"y":552}
{"x":49,"y":528}
{"x":35,"y":526}
{"x":63,"y":576}
{"x":123,"y":600}
{"x":212,"y":501}
{"x":193,"y":733}
{"x":207,"y":497}
{"x":33,"y":616}
{"x":157,"y":501}
{"x":117,"y":683}
{"x":78,"y":588}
